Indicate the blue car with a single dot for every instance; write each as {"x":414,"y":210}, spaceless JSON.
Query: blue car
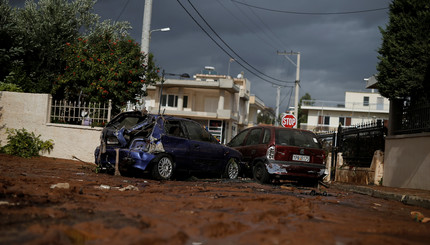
{"x":162,"y":145}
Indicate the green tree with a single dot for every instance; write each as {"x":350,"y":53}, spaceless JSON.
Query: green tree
{"x":303,"y":117}
{"x":104,"y":67}
{"x":10,"y":39}
{"x":404,"y":57}
{"x":39,"y":34}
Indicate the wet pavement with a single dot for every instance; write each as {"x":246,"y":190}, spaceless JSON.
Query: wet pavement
{"x":414,"y":197}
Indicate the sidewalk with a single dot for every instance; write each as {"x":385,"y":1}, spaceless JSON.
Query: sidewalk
{"x":414,"y":197}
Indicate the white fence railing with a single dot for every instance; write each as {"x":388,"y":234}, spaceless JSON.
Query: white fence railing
{"x":80,"y":113}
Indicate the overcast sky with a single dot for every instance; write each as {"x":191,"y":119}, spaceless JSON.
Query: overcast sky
{"x":337,"y":39}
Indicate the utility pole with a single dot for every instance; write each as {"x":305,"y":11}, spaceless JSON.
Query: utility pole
{"x":278,"y":97}
{"x":297,"y":82}
{"x":146,"y":26}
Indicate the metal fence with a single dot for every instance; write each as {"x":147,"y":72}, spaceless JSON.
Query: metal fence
{"x":80,"y":113}
{"x":357,"y":143}
{"x":415,"y":118}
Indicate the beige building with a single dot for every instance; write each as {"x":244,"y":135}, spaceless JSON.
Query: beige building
{"x":221,"y":103}
{"x":358,"y":108}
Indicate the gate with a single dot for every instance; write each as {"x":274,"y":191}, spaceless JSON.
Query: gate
{"x":357,"y":143}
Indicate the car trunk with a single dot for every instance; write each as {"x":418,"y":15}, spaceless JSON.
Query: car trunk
{"x":299,"y":154}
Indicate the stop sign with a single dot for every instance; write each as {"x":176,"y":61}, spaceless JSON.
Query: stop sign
{"x":289,"y":121}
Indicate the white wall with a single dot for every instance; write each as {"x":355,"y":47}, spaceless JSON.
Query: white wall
{"x":30,"y":111}
{"x":407,"y":161}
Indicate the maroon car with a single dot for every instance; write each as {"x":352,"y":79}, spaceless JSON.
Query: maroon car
{"x":271,"y":152}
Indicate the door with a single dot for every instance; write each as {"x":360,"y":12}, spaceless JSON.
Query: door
{"x":206,"y":154}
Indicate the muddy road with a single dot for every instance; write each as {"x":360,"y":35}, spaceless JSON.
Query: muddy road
{"x":55,"y":201}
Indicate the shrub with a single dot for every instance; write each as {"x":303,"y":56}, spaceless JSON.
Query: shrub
{"x":25,"y":144}
{"x":10,"y":87}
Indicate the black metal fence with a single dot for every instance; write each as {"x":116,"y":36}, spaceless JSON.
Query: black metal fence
{"x":357,"y":143}
{"x":415,"y":117}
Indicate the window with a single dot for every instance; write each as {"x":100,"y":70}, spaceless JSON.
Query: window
{"x":185,"y":101}
{"x":173,"y":128}
{"x":296,"y":138}
{"x":366,"y":101}
{"x":325,"y":120}
{"x":238,"y":139}
{"x":254,"y":137}
{"x":266,"y":136}
{"x":171,"y":100}
{"x":197,"y":132}
{"x":345,"y":121}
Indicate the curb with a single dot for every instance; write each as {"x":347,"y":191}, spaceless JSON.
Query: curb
{"x":412,"y":200}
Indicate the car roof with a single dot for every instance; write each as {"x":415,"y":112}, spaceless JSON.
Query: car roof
{"x":278,"y":127}
{"x":139,"y":114}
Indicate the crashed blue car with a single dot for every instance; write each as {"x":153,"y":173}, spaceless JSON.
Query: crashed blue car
{"x":163,"y":145}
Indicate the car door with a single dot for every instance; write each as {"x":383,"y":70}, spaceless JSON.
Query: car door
{"x":175,"y":143}
{"x":249,"y":149}
{"x":206,"y":154}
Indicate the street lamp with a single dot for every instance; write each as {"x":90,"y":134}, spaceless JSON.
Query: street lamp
{"x":183,"y":75}
{"x":145,"y":42}
{"x":162,"y":29}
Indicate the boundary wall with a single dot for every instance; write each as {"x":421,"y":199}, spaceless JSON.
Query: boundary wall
{"x":31,"y":111}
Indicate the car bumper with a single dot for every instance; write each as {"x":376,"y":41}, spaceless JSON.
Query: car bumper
{"x":132,"y":158}
{"x":298,"y":169}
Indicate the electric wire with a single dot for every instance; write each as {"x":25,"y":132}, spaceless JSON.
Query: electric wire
{"x":225,"y":51}
{"x":266,"y":27}
{"x":122,"y":10}
{"x":246,"y":25}
{"x":311,"y":13}
{"x":210,"y":27}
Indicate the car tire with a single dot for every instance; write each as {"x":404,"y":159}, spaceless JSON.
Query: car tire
{"x":163,"y":167}
{"x":232,"y":169}
{"x":260,"y":173}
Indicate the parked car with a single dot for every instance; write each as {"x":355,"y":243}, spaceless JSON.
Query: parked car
{"x":163,"y":145}
{"x":271,"y":152}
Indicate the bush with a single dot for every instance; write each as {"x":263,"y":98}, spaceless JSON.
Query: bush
{"x":25,"y":144}
{"x":10,"y":87}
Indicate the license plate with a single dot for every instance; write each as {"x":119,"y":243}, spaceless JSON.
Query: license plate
{"x":301,"y":158}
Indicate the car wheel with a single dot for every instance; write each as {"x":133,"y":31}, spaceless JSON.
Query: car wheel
{"x":261,"y":174}
{"x":232,"y":169}
{"x":163,"y":167}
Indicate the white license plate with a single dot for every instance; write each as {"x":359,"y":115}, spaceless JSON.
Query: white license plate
{"x":301,"y":158}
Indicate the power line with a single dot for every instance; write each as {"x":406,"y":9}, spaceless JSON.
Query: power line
{"x":311,"y":13}
{"x":245,"y":24}
{"x":210,"y":27}
{"x":225,"y":51}
{"x":122,"y":10}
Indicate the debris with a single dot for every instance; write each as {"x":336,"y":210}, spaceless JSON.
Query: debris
{"x":419,"y":217}
{"x":104,"y":187}
{"x":377,"y":204}
{"x":61,"y":186}
{"x":287,"y":187}
{"x":74,"y":157}
{"x":117,"y":173}
{"x":129,"y":187}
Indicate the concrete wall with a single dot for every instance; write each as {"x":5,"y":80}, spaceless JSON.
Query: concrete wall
{"x":407,"y":161}
{"x":31,"y":111}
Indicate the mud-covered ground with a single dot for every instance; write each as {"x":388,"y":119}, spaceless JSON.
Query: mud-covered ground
{"x":55,"y":201}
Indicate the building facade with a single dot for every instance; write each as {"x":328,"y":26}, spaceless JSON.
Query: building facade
{"x":218,"y":102}
{"x":358,"y":108}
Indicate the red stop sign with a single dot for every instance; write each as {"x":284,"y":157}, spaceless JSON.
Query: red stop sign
{"x":289,"y":121}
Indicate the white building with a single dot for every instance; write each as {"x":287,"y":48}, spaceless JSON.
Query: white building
{"x":358,"y":107}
